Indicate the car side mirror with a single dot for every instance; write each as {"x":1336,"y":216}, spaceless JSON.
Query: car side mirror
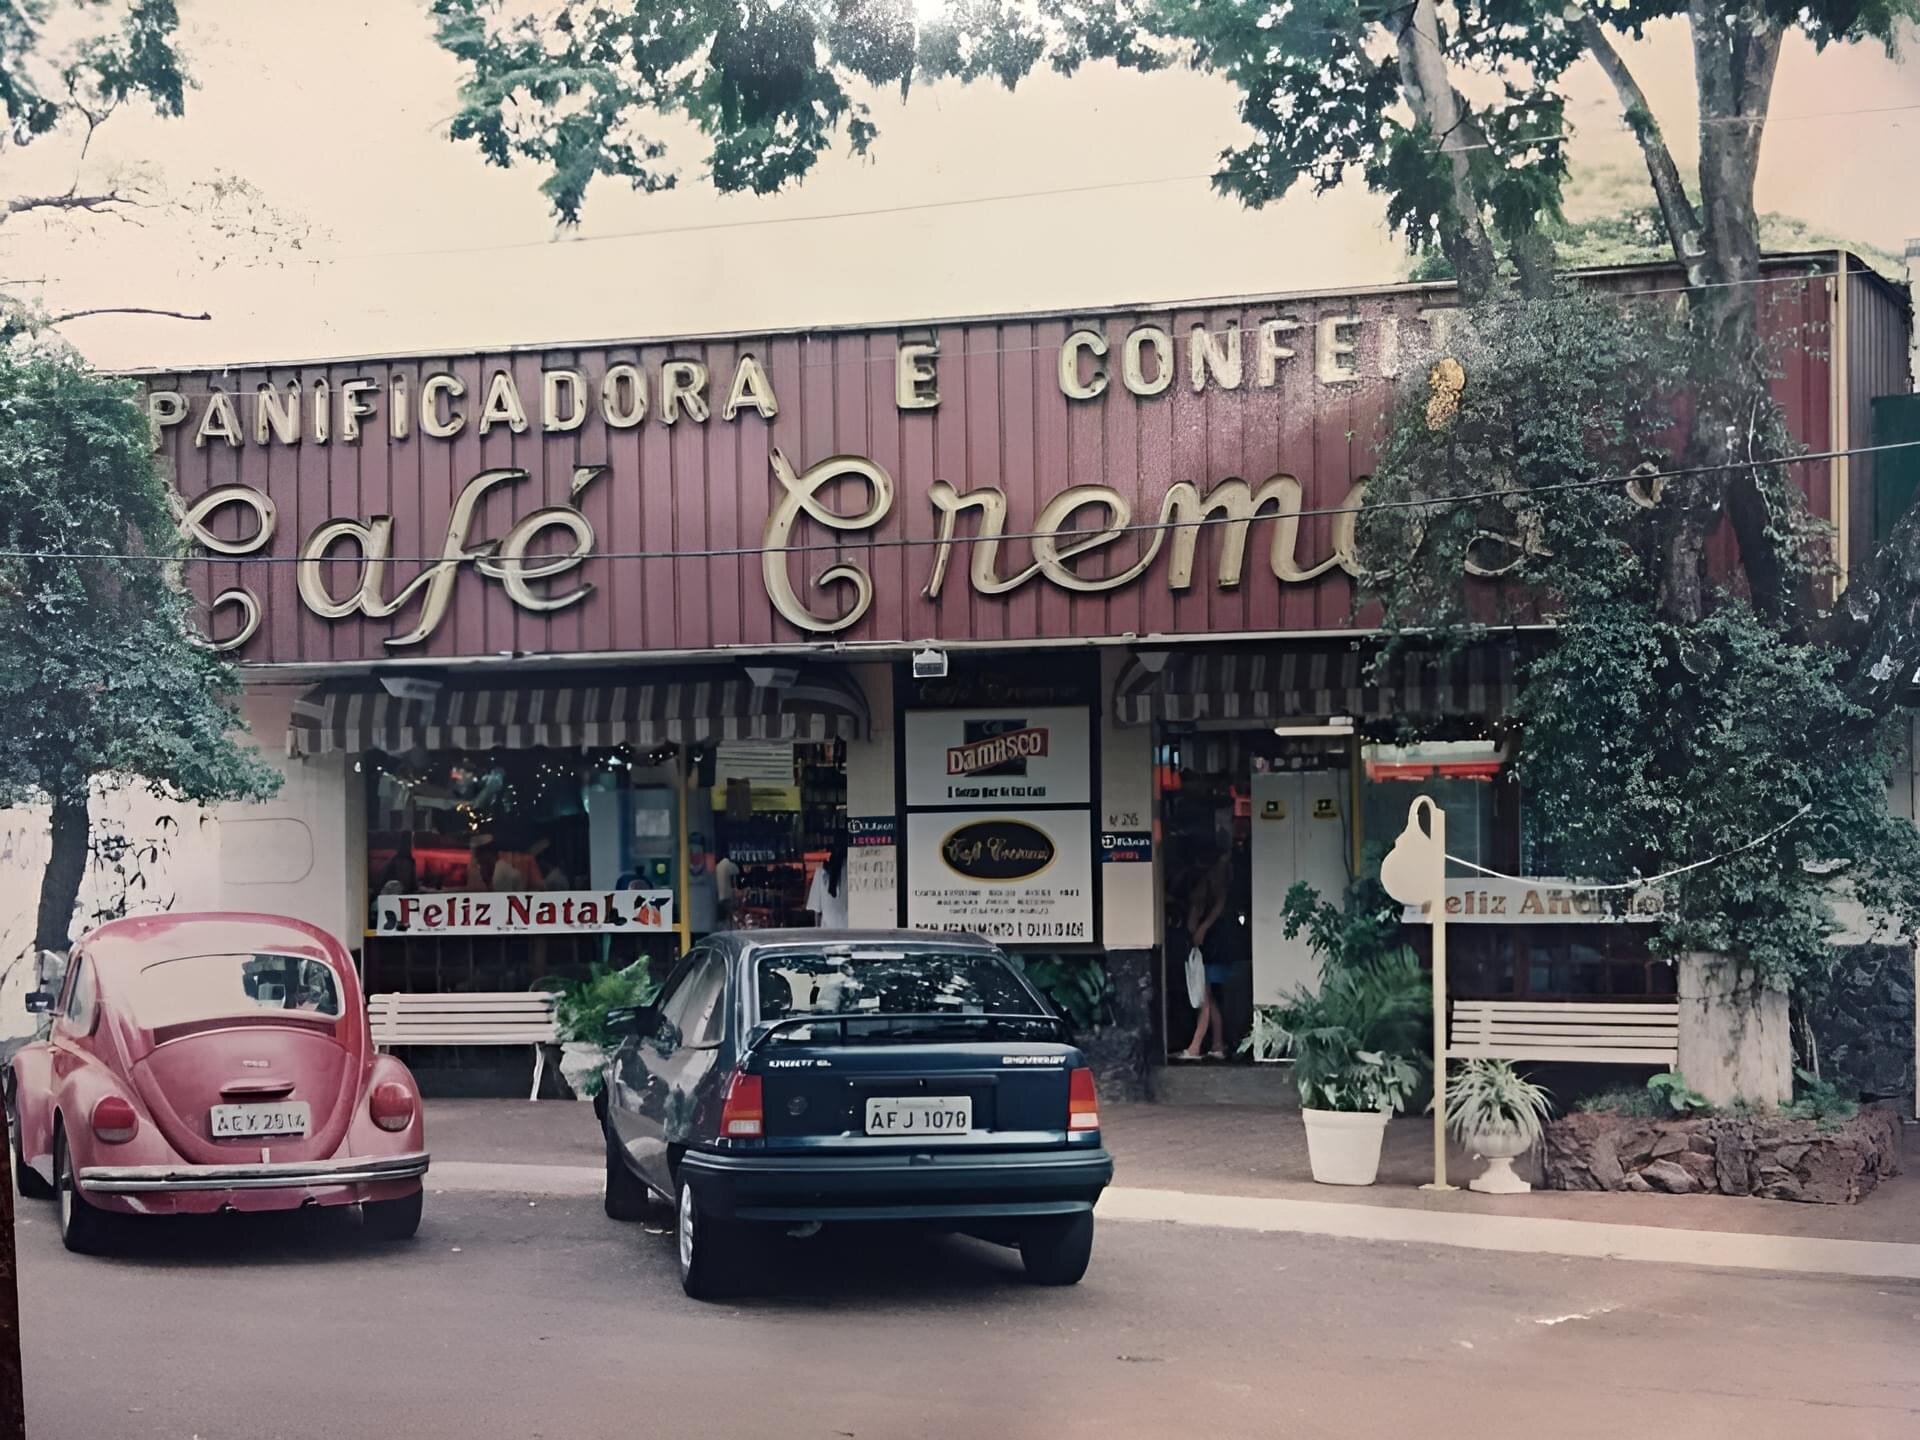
{"x":39,"y":1002}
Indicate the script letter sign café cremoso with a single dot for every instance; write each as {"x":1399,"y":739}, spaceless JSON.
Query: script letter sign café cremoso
{"x":577,"y":501}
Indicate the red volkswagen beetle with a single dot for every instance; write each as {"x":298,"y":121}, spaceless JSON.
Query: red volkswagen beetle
{"x":210,"y":1062}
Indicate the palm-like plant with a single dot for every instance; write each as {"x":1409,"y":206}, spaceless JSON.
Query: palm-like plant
{"x":1359,"y":1040}
{"x":1489,"y":1097}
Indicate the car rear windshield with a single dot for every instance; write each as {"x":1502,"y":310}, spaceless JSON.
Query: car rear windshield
{"x":888,"y":982}
{"x":215,"y":987}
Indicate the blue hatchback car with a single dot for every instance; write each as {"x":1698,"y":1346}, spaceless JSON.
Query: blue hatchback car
{"x":789,"y":1077}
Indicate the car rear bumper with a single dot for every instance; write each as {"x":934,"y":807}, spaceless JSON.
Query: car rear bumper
{"x":973,"y":1185}
{"x":290,"y":1175}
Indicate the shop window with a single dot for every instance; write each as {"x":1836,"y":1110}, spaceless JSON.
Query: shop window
{"x":759,"y":818}
{"x":1458,"y":775}
{"x":779,"y":814}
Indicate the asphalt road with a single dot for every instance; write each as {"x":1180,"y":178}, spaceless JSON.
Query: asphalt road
{"x":548,"y":1320}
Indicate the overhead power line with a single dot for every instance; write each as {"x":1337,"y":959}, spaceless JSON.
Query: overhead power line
{"x":704,"y":227}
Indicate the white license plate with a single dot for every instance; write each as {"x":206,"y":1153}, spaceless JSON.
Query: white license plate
{"x":231,"y":1122}
{"x":920,"y":1115}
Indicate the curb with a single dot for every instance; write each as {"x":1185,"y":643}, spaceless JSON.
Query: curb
{"x":1582,"y":1239}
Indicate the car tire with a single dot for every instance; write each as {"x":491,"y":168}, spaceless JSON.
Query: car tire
{"x":626,"y":1196}
{"x":1056,"y":1251}
{"x":393,"y":1219}
{"x":84,"y":1229}
{"x":713,"y":1254}
{"x":26,"y":1179}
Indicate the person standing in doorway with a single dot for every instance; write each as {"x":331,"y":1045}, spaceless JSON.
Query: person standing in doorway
{"x":1206,"y":929}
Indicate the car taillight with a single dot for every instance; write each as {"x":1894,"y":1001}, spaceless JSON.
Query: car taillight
{"x":391,"y":1105}
{"x":114,"y":1121}
{"x":743,"y":1115}
{"x":1083,"y":1106}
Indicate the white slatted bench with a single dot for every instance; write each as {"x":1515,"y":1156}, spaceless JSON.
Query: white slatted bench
{"x":509,"y":1017}
{"x":1591,"y":1034}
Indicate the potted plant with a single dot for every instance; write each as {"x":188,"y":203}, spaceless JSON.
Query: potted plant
{"x":1356,"y":1059}
{"x":1497,"y":1114}
{"x":580,"y":1015}
{"x":1359,"y":1041}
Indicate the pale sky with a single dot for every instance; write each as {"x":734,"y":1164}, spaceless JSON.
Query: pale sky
{"x":338,"y":112}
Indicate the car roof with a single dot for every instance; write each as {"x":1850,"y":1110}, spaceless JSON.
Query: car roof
{"x":121,"y":946}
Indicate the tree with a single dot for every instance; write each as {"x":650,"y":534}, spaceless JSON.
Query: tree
{"x":1455,"y":115}
{"x":103,"y":678}
{"x":1647,"y":741}
{"x":67,"y":68}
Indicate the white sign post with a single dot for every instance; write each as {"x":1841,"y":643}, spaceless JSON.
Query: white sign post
{"x":1415,"y":874}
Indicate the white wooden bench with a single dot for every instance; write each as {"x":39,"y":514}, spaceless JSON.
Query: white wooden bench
{"x":1593,"y":1034}
{"x":523,"y":1017}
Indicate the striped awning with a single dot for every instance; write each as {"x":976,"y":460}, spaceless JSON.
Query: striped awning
{"x":1273,"y":685}
{"x":684,"y":709}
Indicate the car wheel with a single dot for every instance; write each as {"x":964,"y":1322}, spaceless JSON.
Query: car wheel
{"x":1056,"y":1251}
{"x":83,"y":1229}
{"x":393,"y":1219}
{"x":713,"y":1254}
{"x":26,"y":1180}
{"x":626,"y":1196}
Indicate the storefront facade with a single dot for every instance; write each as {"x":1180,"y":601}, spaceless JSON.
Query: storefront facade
{"x":577,"y":652}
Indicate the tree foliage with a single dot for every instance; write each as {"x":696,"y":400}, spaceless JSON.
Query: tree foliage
{"x":102,"y":676}
{"x":109,"y":55}
{"x":1646,"y":741}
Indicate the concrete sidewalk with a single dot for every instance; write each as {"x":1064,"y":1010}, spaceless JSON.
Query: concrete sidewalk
{"x":1246,"y":1168}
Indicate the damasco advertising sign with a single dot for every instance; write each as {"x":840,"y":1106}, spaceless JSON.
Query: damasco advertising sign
{"x":1164,"y":472}
{"x":1012,"y":756}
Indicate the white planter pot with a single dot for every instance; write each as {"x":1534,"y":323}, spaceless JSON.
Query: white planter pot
{"x":1343,"y":1146}
{"x":579,"y":1063}
{"x":1499,"y":1148}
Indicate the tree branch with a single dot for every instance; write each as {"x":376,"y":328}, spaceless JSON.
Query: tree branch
{"x":92,"y":204}
{"x":1759,"y":60}
{"x":125,"y":310}
{"x":1683,"y":224}
{"x":1430,"y":93}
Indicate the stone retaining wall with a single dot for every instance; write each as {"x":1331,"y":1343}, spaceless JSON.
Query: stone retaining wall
{"x":1819,"y":1162}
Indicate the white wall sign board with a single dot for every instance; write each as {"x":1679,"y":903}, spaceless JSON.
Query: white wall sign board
{"x":1015,"y":755}
{"x":1018,"y":877}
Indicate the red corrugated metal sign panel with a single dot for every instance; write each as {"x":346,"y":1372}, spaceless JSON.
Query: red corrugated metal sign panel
{"x":479,"y":476}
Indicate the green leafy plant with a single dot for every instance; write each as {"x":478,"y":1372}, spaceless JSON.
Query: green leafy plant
{"x":1078,"y":986}
{"x":1637,"y":1104}
{"x":1361,"y":1041}
{"x":1670,"y":1089}
{"x":1489,"y":1097}
{"x":581,"y":1012}
{"x":1269,"y":1039}
{"x":1820,"y":1100}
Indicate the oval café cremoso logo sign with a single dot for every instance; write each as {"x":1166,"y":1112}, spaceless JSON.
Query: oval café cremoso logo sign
{"x":997,"y":850}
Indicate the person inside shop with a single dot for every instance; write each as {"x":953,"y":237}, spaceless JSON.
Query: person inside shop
{"x":401,"y":874}
{"x":726,"y":888}
{"x":1207,"y":927}
{"x":827,"y":898}
{"x":488,"y":869}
